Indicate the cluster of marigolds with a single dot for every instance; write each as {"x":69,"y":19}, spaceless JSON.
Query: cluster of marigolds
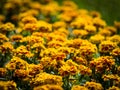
{"x":45,"y":45}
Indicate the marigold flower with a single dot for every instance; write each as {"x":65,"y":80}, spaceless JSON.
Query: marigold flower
{"x":34,"y":69}
{"x":117,"y":24}
{"x":30,"y":40}
{"x":67,"y":70}
{"x":90,"y":29}
{"x":87,"y":51}
{"x":97,"y":39}
{"x":93,"y":85}
{"x":7,"y":27}
{"x":98,"y":22}
{"x":115,"y":52}
{"x":59,"y":24}
{"x":8,"y":85}
{"x":45,"y":78}
{"x":22,"y":51}
{"x":16,"y":63}
{"x":6,"y":47}
{"x":95,"y":14}
{"x":80,"y":60}
{"x":3,"y":38}
{"x":107,"y":46}
{"x":78,"y":87}
{"x":114,"y":77}
{"x":103,"y":63}
{"x":85,"y":70}
{"x":44,"y":26}
{"x":16,"y":38}
{"x":20,"y":73}
{"x":3,"y":72}
{"x":30,"y":27}
{"x":48,"y":87}
{"x":114,"y":88}
{"x":29,"y":19}
{"x":80,"y":33}
{"x":114,"y":38}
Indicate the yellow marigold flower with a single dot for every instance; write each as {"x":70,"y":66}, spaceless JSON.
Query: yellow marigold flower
{"x":75,"y":43}
{"x":22,"y":51}
{"x":114,"y":88}
{"x":8,"y":85}
{"x":20,"y":73}
{"x":30,"y":27}
{"x":70,"y":3}
{"x":48,"y":52}
{"x":36,"y":6}
{"x":63,"y":30}
{"x":44,"y":26}
{"x":115,"y":52}
{"x":31,"y":12}
{"x":67,"y":70}
{"x":78,"y":87}
{"x":50,"y":9}
{"x":39,"y":34}
{"x":9,"y":6}
{"x":105,"y":32}
{"x":49,"y":63}
{"x":80,"y":33}
{"x":34,"y":69}
{"x":7,"y":27}
{"x":3,"y":72}
{"x":2,"y":18}
{"x":95,"y":14}
{"x":16,"y":63}
{"x":80,"y":60}
{"x":107,"y":46}
{"x":97,"y":39}
{"x":48,"y":87}
{"x":85,"y":70}
{"x":110,"y":77}
{"x":66,"y":50}
{"x":90,"y":29}
{"x":118,"y":70}
{"x":29,"y":19}
{"x":114,"y":77}
{"x":59,"y":24}
{"x":102,"y":63}
{"x":32,"y":40}
{"x":112,"y":29}
{"x":114,"y":38}
{"x":93,"y":86}
{"x":83,"y":12}
{"x":3,"y":38}
{"x":98,"y":22}
{"x":37,"y":47}
{"x":117,"y":24}
{"x":45,"y":78}
{"x":54,"y":44}
{"x":6,"y":47}
{"x":87,"y":51}
{"x":79,"y":23}
{"x":59,"y":56}
{"x":16,"y":38}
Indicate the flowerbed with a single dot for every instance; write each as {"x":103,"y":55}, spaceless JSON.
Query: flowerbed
{"x":47,"y":46}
